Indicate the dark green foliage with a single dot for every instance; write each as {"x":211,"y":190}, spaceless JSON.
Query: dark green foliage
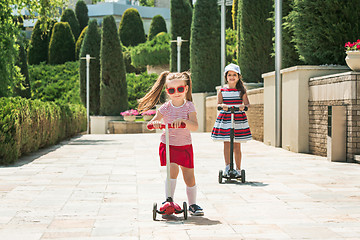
{"x":322,"y":27}
{"x":231,"y":46}
{"x":138,"y":86}
{"x":157,"y":25}
{"x":62,"y":44}
{"x":290,"y":57}
{"x":131,"y":28}
{"x":130,"y":68}
{"x":154,"y":52}
{"x":69,"y":16}
{"x":27,"y":125}
{"x":147,"y":3}
{"x":91,"y":46}
{"x":39,"y":44}
{"x":113,"y":89}
{"x":79,"y":43}
{"x":205,"y":46}
{"x":58,"y":83}
{"x":181,"y":17}
{"x":82,"y":16}
{"x":255,"y":39}
{"x":22,"y":87}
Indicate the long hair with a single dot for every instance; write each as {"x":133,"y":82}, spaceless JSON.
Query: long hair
{"x":239,"y":85}
{"x":153,"y":96}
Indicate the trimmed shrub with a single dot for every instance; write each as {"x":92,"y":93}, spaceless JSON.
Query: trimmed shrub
{"x":138,"y":86}
{"x":62,"y":44}
{"x":39,"y":44}
{"x":82,"y":16}
{"x":205,"y":46}
{"x":157,"y":25}
{"x":79,"y":43}
{"x":27,"y":125}
{"x":181,"y":17}
{"x":58,"y":83}
{"x":154,"y":52}
{"x":69,"y":16}
{"x":91,"y":46}
{"x":22,"y":88}
{"x":131,"y":28}
{"x":322,"y":27}
{"x":113,"y":89}
{"x":255,"y":39}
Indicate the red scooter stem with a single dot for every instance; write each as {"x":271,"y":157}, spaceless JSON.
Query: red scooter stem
{"x":151,"y":126}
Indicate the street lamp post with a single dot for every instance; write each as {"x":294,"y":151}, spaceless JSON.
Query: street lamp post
{"x":278,"y":58}
{"x":87,"y":58}
{"x":179,"y":42}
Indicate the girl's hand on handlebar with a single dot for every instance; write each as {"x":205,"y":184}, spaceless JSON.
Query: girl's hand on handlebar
{"x":156,"y":124}
{"x":224,"y":107}
{"x":176,"y":123}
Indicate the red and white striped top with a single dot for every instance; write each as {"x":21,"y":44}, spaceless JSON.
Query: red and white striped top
{"x":178,"y":136}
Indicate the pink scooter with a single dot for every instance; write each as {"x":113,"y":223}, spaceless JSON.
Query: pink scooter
{"x":169,"y":207}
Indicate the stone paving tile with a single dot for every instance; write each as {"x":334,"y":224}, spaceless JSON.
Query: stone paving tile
{"x":96,"y":187}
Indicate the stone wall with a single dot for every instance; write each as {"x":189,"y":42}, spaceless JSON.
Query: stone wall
{"x":334,"y":90}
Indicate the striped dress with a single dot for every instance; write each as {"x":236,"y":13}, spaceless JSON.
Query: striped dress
{"x":221,"y":130}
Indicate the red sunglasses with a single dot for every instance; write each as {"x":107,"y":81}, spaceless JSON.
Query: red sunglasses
{"x":179,"y":89}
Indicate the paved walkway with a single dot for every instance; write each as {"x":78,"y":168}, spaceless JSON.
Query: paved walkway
{"x":104,"y":186}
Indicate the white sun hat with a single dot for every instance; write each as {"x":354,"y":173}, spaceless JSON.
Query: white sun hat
{"x":232,"y":67}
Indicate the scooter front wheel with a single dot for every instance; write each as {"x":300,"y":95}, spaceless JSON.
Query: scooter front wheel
{"x":243,"y":176}
{"x":154,"y":211}
{"x":220,"y":176}
{"x":185,"y":210}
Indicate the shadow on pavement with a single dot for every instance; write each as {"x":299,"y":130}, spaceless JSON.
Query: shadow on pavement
{"x":253,"y":184}
{"x":94,"y":142}
{"x":172,"y":219}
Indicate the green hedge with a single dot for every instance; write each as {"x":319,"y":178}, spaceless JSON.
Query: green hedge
{"x":138,"y":86}
{"x":58,"y":83}
{"x":154,"y":52}
{"x":27,"y":125}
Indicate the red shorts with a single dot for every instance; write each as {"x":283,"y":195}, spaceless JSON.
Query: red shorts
{"x":181,"y":155}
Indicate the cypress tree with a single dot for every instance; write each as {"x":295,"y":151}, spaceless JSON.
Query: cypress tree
{"x":62,"y":44}
{"x":82,"y":16}
{"x":79,"y":43}
{"x":157,"y":25}
{"x":255,"y":39}
{"x":39,"y":44}
{"x":91,"y":46}
{"x":322,"y":27}
{"x":290,"y":57}
{"x":131,"y":28}
{"x":69,"y":16}
{"x":234,"y":13}
{"x":181,"y":17}
{"x":205,"y":46}
{"x":113,"y":87}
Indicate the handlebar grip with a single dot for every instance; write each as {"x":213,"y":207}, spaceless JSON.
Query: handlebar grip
{"x":150,"y":126}
{"x":235,"y":108}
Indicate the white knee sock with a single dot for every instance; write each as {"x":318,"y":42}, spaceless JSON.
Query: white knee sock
{"x":191,"y":194}
{"x":172,"y":188}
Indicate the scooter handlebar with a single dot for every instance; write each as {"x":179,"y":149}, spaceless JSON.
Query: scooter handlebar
{"x":150,"y":126}
{"x":232,"y":107}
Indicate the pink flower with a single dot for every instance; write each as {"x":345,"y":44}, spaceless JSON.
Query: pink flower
{"x":355,"y":46}
{"x":149,"y":112}
{"x":130,"y":112}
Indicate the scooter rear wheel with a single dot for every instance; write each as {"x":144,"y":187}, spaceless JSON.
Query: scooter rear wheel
{"x":154,"y":211}
{"x":185,"y":210}
{"x":220,"y":176}
{"x":243,"y":176}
